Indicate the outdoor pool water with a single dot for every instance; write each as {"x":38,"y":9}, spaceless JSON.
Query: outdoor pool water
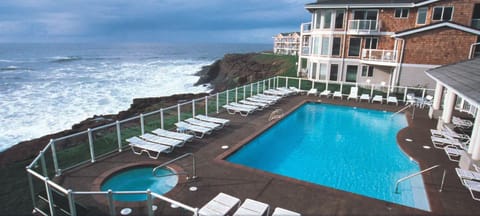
{"x":139,"y":179}
{"x":340,"y":147}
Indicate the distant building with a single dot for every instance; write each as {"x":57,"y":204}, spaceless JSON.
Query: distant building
{"x":386,"y":41}
{"x":286,"y":43}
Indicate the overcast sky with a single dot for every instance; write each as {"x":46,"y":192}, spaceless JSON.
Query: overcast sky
{"x":247,"y":21}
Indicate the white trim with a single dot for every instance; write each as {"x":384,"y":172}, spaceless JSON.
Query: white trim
{"x":438,"y":25}
{"x":443,"y":11}
{"x":426,"y":15}
{"x":420,"y":65}
{"x":373,"y":5}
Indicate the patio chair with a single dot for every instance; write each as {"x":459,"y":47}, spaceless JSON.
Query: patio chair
{"x":411,"y":99}
{"x":222,"y":121}
{"x":147,"y":147}
{"x":365,"y":97}
{"x":201,"y":123}
{"x":252,"y":103}
{"x":326,"y":93}
{"x":276,"y":92}
{"x":162,"y":140}
{"x":312,"y":91}
{"x":440,"y":143}
{"x":252,"y":207}
{"x":174,"y":135}
{"x":392,"y":99}
{"x":337,"y":94}
{"x":235,"y":109}
{"x":221,"y":204}
{"x":453,"y":153}
{"x":353,"y":94}
{"x":186,"y":127}
{"x":462,"y":123}
{"x":473,"y":187}
{"x":284,"y":212}
{"x":467,"y":174}
{"x":298,"y":91}
{"x":377,"y":98}
{"x":286,"y":90}
{"x":272,"y":97}
{"x":244,"y":106}
{"x":260,"y":100}
{"x":447,"y":133}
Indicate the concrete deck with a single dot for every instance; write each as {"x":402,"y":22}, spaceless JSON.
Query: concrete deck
{"x":216,"y":175}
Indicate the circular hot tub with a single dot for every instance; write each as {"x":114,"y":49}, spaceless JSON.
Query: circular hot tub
{"x":139,"y":178}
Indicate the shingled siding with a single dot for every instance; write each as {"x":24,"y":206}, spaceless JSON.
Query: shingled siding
{"x":462,"y":10}
{"x":436,"y":47}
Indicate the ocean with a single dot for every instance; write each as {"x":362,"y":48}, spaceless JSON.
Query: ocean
{"x":46,"y":88}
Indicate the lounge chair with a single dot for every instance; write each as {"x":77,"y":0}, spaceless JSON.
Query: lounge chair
{"x":147,"y":147}
{"x":365,"y":97}
{"x":297,"y":91}
{"x":453,"y":153}
{"x":353,"y":94}
{"x":221,"y":204}
{"x":467,"y":174}
{"x":392,"y":99}
{"x":276,"y":92}
{"x":312,"y":91}
{"x":244,"y":106}
{"x":271,"y":97}
{"x":261,"y":100}
{"x":286,"y":90}
{"x":462,"y":123}
{"x":325,"y":93}
{"x":201,"y":123}
{"x":447,"y":133}
{"x":337,"y":94}
{"x":174,"y":135}
{"x":284,"y":212}
{"x":235,"y":109}
{"x":377,"y":98}
{"x":440,"y":143}
{"x":252,"y":207}
{"x":473,"y":187}
{"x":222,"y":121}
{"x":162,"y":140}
{"x":183,"y":126}
{"x":252,"y":103}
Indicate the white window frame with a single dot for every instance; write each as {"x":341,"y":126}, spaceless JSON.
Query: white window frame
{"x":443,"y":10}
{"x":368,"y":68}
{"x":418,"y":15}
{"x":402,"y":11}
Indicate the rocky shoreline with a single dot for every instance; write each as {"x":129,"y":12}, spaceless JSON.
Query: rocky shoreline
{"x":230,"y":71}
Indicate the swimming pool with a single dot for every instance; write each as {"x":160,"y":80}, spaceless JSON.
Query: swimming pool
{"x":139,"y":179}
{"x":341,"y":147}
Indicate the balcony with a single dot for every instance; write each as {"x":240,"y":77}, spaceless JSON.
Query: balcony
{"x":476,"y":23}
{"x":362,"y":26}
{"x":305,"y":50}
{"x":306,"y":27}
{"x":379,"y":57}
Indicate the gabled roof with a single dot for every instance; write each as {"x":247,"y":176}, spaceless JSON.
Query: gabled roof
{"x":289,"y":33}
{"x":368,"y":3}
{"x":463,"y":78}
{"x":437,"y":25}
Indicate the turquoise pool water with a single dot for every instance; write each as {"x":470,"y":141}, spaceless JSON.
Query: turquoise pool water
{"x":341,"y":147}
{"x":139,"y":179}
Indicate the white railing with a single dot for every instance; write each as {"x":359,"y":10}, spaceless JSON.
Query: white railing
{"x":379,"y":55}
{"x":362,"y":26}
{"x":306,"y":27}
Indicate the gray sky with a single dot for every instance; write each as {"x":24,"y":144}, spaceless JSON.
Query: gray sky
{"x":245,"y":21}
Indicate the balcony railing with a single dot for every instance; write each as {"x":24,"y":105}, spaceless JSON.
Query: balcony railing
{"x":362,"y":26}
{"x":306,"y":27}
{"x":476,"y":23}
{"x":387,"y":56}
{"x":305,"y":50}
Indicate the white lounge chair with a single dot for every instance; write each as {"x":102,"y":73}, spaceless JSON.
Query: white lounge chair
{"x":377,"y":98}
{"x":272,"y":97}
{"x":252,"y":103}
{"x":467,"y":174}
{"x":219,"y":205}
{"x":447,"y":132}
{"x":462,"y":123}
{"x":286,"y":90}
{"x":174,"y":135}
{"x":222,"y":121}
{"x":473,"y":187}
{"x":284,"y":212}
{"x":162,"y":140}
{"x":353,"y":94}
{"x":235,"y":109}
{"x":147,"y":147}
{"x":365,"y":97}
{"x":325,"y":93}
{"x":392,"y":99}
{"x":252,"y":207}
{"x":260,"y":100}
{"x":440,"y":143}
{"x":244,"y":105}
{"x":201,"y":123}
{"x":275,"y":92}
{"x":453,"y":153}
{"x":183,"y":126}
{"x":297,"y":91}
{"x":337,"y":94}
{"x":312,"y":91}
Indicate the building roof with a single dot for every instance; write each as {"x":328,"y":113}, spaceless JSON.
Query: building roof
{"x":368,"y":3}
{"x":289,"y":33}
{"x":463,"y":78}
{"x":437,"y":25}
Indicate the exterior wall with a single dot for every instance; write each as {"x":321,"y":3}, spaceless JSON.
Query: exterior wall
{"x":438,"y":47}
{"x":380,"y":74}
{"x":286,"y":44}
{"x":462,"y":10}
{"x":414,"y":75}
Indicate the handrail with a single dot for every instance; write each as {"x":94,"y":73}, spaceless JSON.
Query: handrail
{"x":401,"y":110}
{"x":194,"y":176}
{"x":413,"y":175}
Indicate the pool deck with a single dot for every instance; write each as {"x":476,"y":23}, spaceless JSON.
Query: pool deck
{"x":216,"y":175}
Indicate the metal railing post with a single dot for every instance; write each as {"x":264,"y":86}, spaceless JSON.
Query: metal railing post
{"x":263,"y":85}
{"x":142,"y":124}
{"x":49,"y":197}
{"x":161,"y":119}
{"x":443,"y":180}
{"x":228,"y":99}
{"x":71,"y":203}
{"x":258,"y":88}
{"x":217,"y":103}
{"x":300,"y":83}
{"x":269,"y":83}
{"x":32,"y":189}
{"x":119,"y":136}
{"x":206,"y":105}
{"x":405,"y":94}
{"x":43,"y":163}
{"x":178,"y":112}
{"x":193,"y":108}
{"x":149,"y":203}
{"x":244,"y":91}
{"x":251,"y":89}
{"x":90,"y":144}
{"x":236,"y":95}
{"x":54,"y":158}
{"x":286,"y":82}
{"x":111,"y":204}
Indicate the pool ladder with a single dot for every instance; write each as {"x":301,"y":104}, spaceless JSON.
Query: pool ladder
{"x":418,"y":173}
{"x":403,"y":109}
{"x":194,"y":175}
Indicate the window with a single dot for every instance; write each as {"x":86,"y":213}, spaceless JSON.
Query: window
{"x":401,"y":13}
{"x":422,"y":16}
{"x":325,"y":45}
{"x":371,"y":43}
{"x":339,"y":19}
{"x":334,"y":72}
{"x":318,"y":17}
{"x":316,"y":45}
{"x":327,"y":19}
{"x":337,"y":42}
{"x":367,"y":71}
{"x":351,"y":73}
{"x":314,"y":71}
{"x":442,"y":13}
{"x":354,"y":47}
{"x":323,"y":72}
